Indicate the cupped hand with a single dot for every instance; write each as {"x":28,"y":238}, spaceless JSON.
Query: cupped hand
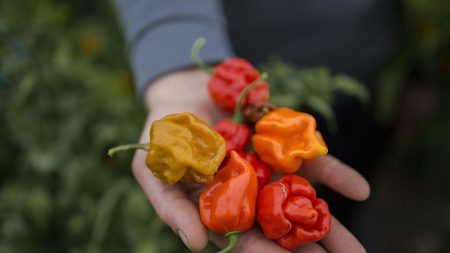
{"x":343,"y":179}
{"x":176,"y":205}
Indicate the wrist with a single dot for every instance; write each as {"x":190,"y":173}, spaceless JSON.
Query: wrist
{"x":179,"y":91}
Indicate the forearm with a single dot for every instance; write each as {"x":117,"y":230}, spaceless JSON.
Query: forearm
{"x":159,"y":35}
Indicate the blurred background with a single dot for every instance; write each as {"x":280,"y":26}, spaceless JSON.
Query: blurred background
{"x":66,"y":96}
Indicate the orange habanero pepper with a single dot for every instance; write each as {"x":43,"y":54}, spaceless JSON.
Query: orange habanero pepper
{"x":227,"y":206}
{"x":285,"y":138}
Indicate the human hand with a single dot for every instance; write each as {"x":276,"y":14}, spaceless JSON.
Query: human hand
{"x":185,"y":91}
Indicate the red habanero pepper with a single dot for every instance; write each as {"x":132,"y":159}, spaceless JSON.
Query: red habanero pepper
{"x":234,"y":131}
{"x":230,"y":78}
{"x":227,"y":206}
{"x":262,"y":170}
{"x":236,"y":135}
{"x":290,"y":213}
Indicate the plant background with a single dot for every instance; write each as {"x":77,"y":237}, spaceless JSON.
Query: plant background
{"x":66,"y":96}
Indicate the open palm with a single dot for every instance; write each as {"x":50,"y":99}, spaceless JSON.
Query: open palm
{"x":185,"y":91}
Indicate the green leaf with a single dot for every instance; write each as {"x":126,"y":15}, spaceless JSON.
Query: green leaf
{"x":324,"y":109}
{"x":281,"y":100}
{"x":105,"y":211}
{"x":39,"y":206}
{"x":351,"y":87}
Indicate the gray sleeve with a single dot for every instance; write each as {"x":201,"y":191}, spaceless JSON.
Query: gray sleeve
{"x":160,"y":33}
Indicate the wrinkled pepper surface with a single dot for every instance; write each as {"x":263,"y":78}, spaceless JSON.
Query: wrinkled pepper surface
{"x":227,"y":206}
{"x":229,"y":79}
{"x":183,"y":147}
{"x":285,"y":138}
{"x":290,"y":213}
{"x":236,"y":135}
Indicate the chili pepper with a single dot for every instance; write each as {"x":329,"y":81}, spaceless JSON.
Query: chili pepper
{"x":236,"y":135}
{"x":255,"y":111}
{"x":234,"y":131}
{"x":228,"y":204}
{"x":262,"y":170}
{"x":290,"y":213}
{"x":229,"y":79}
{"x":182,"y":147}
{"x":285,"y":138}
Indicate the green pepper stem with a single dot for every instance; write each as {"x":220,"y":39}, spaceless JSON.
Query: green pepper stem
{"x":237,"y":115}
{"x":195,"y":55}
{"x":265,"y":110}
{"x":232,"y":240}
{"x":144,"y":146}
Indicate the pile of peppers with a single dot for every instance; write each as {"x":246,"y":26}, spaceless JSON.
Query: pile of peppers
{"x":235,"y":159}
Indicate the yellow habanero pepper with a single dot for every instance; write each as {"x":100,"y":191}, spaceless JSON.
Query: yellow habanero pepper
{"x":182,"y":148}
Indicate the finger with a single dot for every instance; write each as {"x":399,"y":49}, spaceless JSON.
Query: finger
{"x":340,"y":240}
{"x":311,"y":248}
{"x":169,"y":201}
{"x":251,"y":241}
{"x":193,"y":190}
{"x":338,"y":176}
{"x":172,"y":205}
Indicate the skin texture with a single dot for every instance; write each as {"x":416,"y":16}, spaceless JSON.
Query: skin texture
{"x":186,"y":91}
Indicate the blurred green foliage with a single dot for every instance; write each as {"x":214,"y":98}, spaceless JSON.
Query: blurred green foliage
{"x":66,"y":96}
{"x":315,"y":88}
{"x":422,"y":71}
{"x":413,"y":93}
{"x":425,"y":52}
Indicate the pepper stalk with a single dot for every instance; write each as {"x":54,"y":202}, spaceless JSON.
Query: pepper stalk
{"x":237,"y":114}
{"x":195,"y":55}
{"x":232,"y":240}
{"x":133,"y":146}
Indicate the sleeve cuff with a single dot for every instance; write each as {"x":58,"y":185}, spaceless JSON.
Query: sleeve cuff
{"x":167,"y":48}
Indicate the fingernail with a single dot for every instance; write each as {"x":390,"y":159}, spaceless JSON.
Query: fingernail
{"x":184,"y":238}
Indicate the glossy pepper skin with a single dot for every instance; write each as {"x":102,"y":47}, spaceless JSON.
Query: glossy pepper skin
{"x":285,"y":138}
{"x":290,"y":213}
{"x":228,"y":204}
{"x":183,"y":147}
{"x":262,"y":170}
{"x":229,"y":79}
{"x":236,"y":135}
